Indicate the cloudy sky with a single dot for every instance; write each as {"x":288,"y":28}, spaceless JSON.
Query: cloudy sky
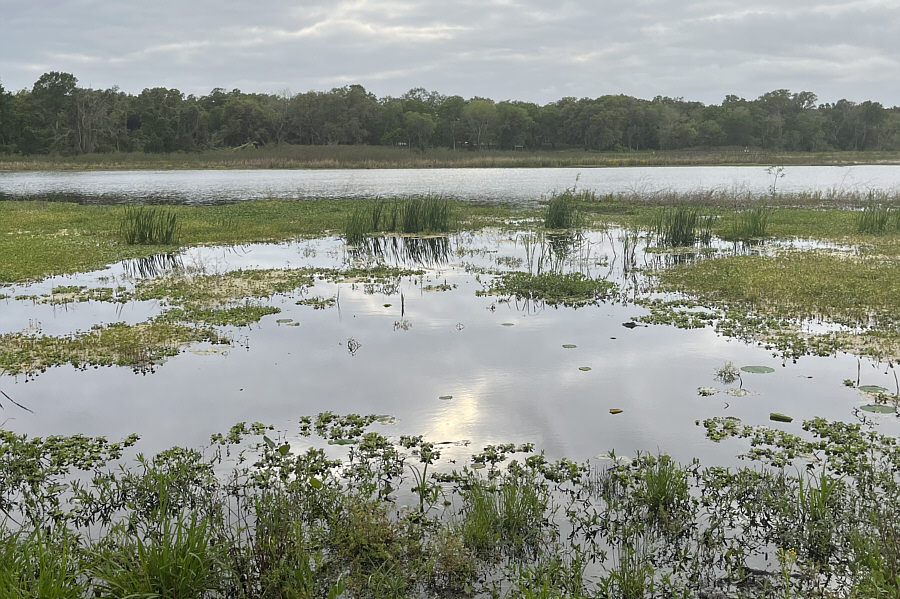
{"x":530,"y":50}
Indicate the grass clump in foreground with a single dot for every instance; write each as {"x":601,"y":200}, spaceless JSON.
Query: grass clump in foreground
{"x":149,"y":225}
{"x":752,"y":223}
{"x":391,"y":519}
{"x":408,"y":216}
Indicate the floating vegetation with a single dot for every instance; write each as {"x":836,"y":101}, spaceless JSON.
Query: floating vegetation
{"x":569,"y":346}
{"x":878,"y":408}
{"x":872,"y":389}
{"x":728,"y":373}
{"x":139,"y":346}
{"x":737,"y":392}
{"x":707,"y":391}
{"x":758,"y":369}
{"x":615,"y":411}
{"x":507,"y":324}
{"x":240,"y":316}
{"x":779,"y":417}
{"x":584,"y":368}
{"x":148,"y":225}
{"x":552,"y":288}
{"x":318,"y":302}
{"x":445,"y":397}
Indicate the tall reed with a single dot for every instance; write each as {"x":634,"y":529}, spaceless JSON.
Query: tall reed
{"x":682,"y":226}
{"x":148,"y":225}
{"x":750,"y":224}
{"x":875,"y":219}
{"x":431,"y":214}
{"x":562,"y":210}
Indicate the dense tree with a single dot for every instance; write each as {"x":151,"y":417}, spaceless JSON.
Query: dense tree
{"x":57,"y":116}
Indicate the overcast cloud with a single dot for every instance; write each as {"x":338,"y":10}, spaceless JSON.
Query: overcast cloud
{"x":501,"y":49}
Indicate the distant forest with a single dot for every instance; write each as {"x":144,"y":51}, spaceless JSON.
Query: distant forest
{"x":58,"y":117}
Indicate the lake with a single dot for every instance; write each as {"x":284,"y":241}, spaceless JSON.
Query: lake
{"x":524,"y":185}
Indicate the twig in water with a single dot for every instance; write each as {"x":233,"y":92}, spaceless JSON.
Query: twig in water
{"x":2,"y":392}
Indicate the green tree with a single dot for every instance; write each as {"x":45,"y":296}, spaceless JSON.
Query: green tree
{"x":419,"y":127}
{"x":479,"y":117}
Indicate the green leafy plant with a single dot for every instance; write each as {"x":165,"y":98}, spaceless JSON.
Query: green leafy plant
{"x":148,"y":225}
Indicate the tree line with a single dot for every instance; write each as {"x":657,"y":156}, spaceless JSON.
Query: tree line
{"x":56,"y":116}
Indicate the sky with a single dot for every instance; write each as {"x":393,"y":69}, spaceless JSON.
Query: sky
{"x":529,"y":50}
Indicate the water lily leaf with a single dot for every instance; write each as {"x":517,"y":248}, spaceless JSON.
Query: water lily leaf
{"x":878,"y":408}
{"x":872,"y":389}
{"x":294,"y":324}
{"x":569,"y":346}
{"x":284,"y":320}
{"x":584,"y":368}
{"x":508,"y":324}
{"x":445,"y":397}
{"x":757,"y":369}
{"x":615,"y":411}
{"x":779,"y":417}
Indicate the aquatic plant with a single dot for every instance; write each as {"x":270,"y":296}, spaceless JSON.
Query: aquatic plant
{"x":562,"y":209}
{"x":876,"y":219}
{"x":681,"y":226}
{"x":752,"y":223}
{"x":148,"y":225}
{"x":568,"y":289}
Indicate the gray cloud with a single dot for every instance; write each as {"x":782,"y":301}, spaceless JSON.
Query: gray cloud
{"x":503,"y":49}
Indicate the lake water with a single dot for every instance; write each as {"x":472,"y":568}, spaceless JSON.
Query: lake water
{"x":397,"y":348}
{"x":501,"y":185}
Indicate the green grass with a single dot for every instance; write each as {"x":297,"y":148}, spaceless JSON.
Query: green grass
{"x":552,"y":288}
{"x":38,"y":239}
{"x":408,"y":216}
{"x":682,"y":226}
{"x":149,"y":225}
{"x":752,"y":223}
{"x":563,"y":209}
{"x":877,"y":219}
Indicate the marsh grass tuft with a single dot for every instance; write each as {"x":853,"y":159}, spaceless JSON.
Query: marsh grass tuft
{"x":562,"y":210}
{"x":148,"y":225}
{"x":682,"y":226}
{"x":750,"y":224}
{"x":430,"y":214}
{"x":876,"y":219}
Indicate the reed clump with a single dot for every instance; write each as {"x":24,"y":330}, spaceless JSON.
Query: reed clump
{"x":681,"y":226}
{"x":876,"y":219}
{"x":430,"y":214}
{"x":148,"y":225}
{"x":750,"y":224}
{"x":562,"y":210}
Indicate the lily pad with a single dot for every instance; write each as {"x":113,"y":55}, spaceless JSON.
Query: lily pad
{"x":387,"y":305}
{"x":284,"y":320}
{"x":737,"y":392}
{"x":584,"y":368}
{"x":293,"y":324}
{"x":878,"y":408}
{"x":872,"y":389}
{"x":779,"y":417}
{"x":445,"y":397}
{"x":758,"y":369}
{"x":615,"y":411}
{"x":569,"y":346}
{"x":508,"y":324}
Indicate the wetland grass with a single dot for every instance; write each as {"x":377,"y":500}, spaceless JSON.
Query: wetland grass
{"x":311,"y":523}
{"x":752,"y":223}
{"x":148,"y":225}
{"x":409,"y":216}
{"x":682,"y":226}
{"x":563,"y":209}
{"x":877,"y":219}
